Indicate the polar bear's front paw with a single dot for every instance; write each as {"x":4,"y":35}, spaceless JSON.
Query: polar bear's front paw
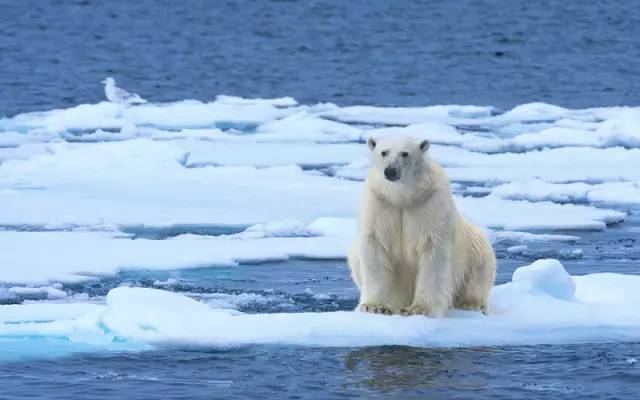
{"x":419,"y":310}
{"x":375,"y":309}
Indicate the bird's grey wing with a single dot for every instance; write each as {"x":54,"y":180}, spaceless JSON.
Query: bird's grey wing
{"x":123,"y":94}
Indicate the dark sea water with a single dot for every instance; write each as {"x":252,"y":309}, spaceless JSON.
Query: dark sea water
{"x":315,"y":373}
{"x":500,"y":53}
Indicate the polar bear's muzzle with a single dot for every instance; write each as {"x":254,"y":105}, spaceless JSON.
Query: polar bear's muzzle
{"x":392,"y":174}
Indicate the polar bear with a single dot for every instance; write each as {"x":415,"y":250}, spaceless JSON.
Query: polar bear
{"x":414,"y":254}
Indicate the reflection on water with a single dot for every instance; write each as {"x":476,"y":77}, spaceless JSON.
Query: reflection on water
{"x":400,"y":368}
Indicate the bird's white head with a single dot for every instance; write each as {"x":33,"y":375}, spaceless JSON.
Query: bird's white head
{"x":109,"y":81}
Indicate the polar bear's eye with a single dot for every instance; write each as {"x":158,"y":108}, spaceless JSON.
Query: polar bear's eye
{"x":384,"y":153}
{"x":404,"y":154}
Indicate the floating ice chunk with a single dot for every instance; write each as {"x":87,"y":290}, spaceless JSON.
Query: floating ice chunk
{"x":407,"y":115}
{"x":46,"y":292}
{"x":335,"y":227}
{"x":194,"y":114}
{"x":527,"y":237}
{"x":6,"y":297}
{"x":619,"y":292}
{"x":621,"y":130}
{"x":288,"y":228}
{"x":104,"y":136}
{"x":518,"y":249}
{"x":355,"y":170}
{"x":538,"y":190}
{"x":84,"y":116}
{"x":615,"y":193}
{"x":477,"y":190}
{"x":176,"y":115}
{"x":535,"y":112}
{"x":235,"y":301}
{"x":145,"y":182}
{"x":166,"y":283}
{"x":10,"y":139}
{"x":568,"y":164}
{"x":277,"y":102}
{"x":76,"y":256}
{"x":435,"y":132}
{"x":305,"y":126}
{"x":38,"y":312}
{"x":263,"y":154}
{"x":571,"y":254}
{"x":493,"y":212}
{"x":22,"y":152}
{"x":555,"y":137}
{"x":543,"y":305}
{"x":546,"y":276}
{"x":172,"y":315}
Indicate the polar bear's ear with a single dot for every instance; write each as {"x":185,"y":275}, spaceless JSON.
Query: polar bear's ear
{"x":424,"y":145}
{"x":371,"y":142}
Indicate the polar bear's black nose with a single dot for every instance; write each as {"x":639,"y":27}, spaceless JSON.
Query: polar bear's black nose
{"x":391,"y":174}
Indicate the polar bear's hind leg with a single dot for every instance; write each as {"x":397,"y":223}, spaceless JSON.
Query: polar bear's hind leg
{"x":473,"y":292}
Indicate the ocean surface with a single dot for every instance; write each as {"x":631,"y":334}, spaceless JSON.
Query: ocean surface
{"x":501,"y":53}
{"x":498,"y":53}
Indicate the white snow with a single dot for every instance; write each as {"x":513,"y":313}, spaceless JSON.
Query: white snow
{"x":279,"y":102}
{"x":144,"y":182}
{"x":305,"y":126}
{"x":48,"y":292}
{"x":407,"y":115}
{"x":74,"y":256}
{"x":546,"y":276}
{"x":527,"y":237}
{"x":494,"y":212}
{"x":542,"y":305}
{"x":264,"y":154}
{"x":538,"y":190}
{"x":518,"y":249}
{"x":283,"y":180}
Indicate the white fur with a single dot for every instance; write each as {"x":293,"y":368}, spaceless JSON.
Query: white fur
{"x":414,"y":254}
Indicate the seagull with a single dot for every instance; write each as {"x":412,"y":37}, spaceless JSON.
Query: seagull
{"x":118,"y":95}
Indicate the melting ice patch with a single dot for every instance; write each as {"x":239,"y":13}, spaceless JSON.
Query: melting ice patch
{"x":542,"y":305}
{"x":235,"y":180}
{"x":576,"y":192}
{"x":148,"y":182}
{"x":78,"y":256}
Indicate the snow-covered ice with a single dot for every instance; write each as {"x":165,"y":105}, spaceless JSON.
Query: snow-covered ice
{"x":542,"y":305}
{"x":238,"y":180}
{"x":43,"y":257}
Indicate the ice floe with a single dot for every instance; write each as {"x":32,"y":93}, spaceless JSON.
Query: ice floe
{"x":43,"y":257}
{"x":542,"y":305}
{"x":576,"y":192}
{"x":95,"y":189}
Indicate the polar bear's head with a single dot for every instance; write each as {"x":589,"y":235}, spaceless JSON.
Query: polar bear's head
{"x":398,"y":157}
